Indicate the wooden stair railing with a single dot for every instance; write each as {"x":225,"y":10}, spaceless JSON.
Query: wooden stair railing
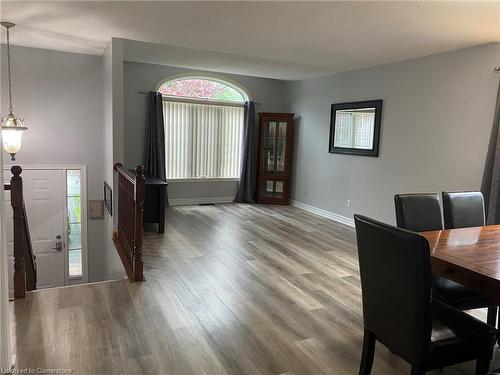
{"x":30,"y":258}
{"x":128,"y":241}
{"x":24,"y":260}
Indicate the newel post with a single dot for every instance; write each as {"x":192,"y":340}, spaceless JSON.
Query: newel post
{"x":139,"y":209}
{"x":117,"y":166}
{"x":16,"y":201}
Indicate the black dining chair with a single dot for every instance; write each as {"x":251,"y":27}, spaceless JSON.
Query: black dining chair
{"x":418,"y":212}
{"x":462,"y":209}
{"x":422,"y":212}
{"x":399,"y":312}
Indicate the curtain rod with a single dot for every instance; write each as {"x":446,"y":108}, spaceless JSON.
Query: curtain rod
{"x":147,"y":92}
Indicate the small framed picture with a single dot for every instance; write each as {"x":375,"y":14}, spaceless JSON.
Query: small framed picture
{"x":108,"y":198}
{"x":96,"y":209}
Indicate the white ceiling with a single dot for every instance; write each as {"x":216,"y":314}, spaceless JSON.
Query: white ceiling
{"x":286,"y":40}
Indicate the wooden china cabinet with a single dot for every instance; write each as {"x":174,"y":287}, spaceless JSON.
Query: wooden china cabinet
{"x":275,"y":149}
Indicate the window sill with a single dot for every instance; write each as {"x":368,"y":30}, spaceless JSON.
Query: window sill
{"x":176,"y":180}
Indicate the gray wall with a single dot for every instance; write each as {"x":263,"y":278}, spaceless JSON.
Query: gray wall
{"x":61,"y":97}
{"x":144,"y":77}
{"x":436,"y":123}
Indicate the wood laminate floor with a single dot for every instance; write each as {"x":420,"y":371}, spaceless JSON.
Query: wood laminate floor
{"x":230,"y":289}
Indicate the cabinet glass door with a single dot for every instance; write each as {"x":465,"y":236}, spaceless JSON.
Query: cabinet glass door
{"x":267,"y":188}
{"x":269,"y":146}
{"x":278,"y":189}
{"x":281,"y":140}
{"x":270,"y":188}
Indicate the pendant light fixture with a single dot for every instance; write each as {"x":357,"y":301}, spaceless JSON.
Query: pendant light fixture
{"x":12,"y":126}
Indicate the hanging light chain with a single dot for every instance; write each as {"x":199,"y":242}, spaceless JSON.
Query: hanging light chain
{"x":9,"y":71}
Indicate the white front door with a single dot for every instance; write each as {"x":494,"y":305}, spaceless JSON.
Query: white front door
{"x":44,"y":200}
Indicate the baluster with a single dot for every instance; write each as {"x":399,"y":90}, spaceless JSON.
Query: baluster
{"x":139,"y":211}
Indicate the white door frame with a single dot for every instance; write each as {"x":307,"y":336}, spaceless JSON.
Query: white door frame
{"x":83,"y":198}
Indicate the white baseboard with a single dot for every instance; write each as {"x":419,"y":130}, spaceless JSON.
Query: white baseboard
{"x":329,"y":215}
{"x":200,"y":200}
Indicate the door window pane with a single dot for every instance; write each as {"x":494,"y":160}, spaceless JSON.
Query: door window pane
{"x":74,"y":217}
{"x":74,"y":209}
{"x":75,"y":262}
{"x":73,"y":182}
{"x":75,"y":236}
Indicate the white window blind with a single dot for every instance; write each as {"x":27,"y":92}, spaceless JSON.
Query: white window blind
{"x":354,"y":130}
{"x":202,"y":140}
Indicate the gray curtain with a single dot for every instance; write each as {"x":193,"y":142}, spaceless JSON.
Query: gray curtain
{"x":247,"y":189}
{"x":491,"y":177}
{"x":154,"y":164}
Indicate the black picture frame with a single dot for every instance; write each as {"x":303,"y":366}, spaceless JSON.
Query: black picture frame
{"x":108,"y":198}
{"x":377,"y":104}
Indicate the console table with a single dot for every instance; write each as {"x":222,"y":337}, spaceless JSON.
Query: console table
{"x":155,"y":202}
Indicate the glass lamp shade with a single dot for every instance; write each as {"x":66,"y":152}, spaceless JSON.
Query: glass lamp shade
{"x":12,"y":132}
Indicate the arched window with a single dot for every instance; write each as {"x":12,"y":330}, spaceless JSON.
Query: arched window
{"x":203,"y":89}
{"x":203,"y":127}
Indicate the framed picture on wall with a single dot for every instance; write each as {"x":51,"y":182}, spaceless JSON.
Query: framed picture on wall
{"x":108,"y":198}
{"x":355,"y":128}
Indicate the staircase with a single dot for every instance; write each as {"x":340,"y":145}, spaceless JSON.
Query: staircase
{"x":128,"y":239}
{"x":24,"y":260}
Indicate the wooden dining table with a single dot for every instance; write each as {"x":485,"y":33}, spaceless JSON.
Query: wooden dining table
{"x":469,"y":256}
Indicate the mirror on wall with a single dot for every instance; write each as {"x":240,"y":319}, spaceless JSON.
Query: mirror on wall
{"x":355,"y":128}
